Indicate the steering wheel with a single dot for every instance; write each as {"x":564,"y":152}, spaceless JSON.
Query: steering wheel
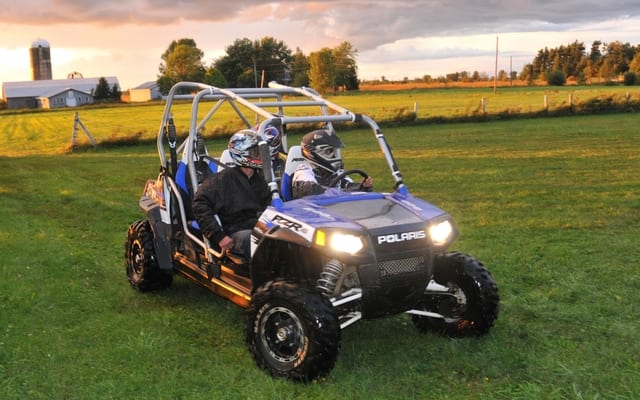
{"x":346,"y":173}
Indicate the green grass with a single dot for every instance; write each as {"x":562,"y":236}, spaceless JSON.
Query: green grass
{"x":551,"y":207}
{"x":50,"y":132}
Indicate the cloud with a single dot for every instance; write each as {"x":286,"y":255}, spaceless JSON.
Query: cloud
{"x":393,"y":37}
{"x":367,"y":23}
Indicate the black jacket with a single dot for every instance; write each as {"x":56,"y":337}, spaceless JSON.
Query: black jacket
{"x":236,"y":199}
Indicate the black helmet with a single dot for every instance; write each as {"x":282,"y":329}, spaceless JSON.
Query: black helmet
{"x":243,"y":148}
{"x":322,"y":148}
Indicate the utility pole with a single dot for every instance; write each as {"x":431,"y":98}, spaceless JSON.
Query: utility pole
{"x":495,"y":71}
{"x":511,"y":70}
{"x":255,"y":73}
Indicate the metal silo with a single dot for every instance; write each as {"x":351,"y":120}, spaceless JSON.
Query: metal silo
{"x":41,"y":60}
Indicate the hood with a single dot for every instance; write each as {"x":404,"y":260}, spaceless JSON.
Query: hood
{"x":355,"y":211}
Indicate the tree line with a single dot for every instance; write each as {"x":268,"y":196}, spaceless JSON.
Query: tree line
{"x":254,"y":63}
{"x":607,"y":61}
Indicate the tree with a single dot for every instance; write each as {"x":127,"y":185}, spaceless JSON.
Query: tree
{"x":300,"y":69}
{"x":618,"y":55}
{"x":333,"y":68}
{"x":569,"y":59}
{"x":346,"y":68}
{"x":251,"y":64}
{"x":214,"y":77}
{"x":596,"y":54}
{"x":634,"y":65}
{"x":273,"y":60}
{"x":102,"y":90}
{"x":322,"y":70}
{"x":182,"y":61}
{"x":115,"y":92}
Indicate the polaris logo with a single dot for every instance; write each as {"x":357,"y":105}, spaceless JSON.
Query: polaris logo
{"x":401,"y":237}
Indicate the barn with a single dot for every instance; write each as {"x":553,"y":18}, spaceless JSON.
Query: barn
{"x":52,"y":93}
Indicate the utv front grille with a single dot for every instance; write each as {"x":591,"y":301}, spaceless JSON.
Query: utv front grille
{"x":392,"y":268}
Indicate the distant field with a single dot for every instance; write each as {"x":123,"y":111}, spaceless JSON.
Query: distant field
{"x":50,"y":132}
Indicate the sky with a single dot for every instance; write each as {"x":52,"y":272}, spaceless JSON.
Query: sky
{"x":396,"y":39}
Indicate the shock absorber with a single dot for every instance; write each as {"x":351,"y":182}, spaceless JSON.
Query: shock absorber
{"x":329,"y":276}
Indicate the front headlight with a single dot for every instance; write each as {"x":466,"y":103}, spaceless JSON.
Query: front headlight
{"x":441,"y":233}
{"x":339,"y":242}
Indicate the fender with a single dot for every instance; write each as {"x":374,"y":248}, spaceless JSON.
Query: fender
{"x":269,"y":246}
{"x":161,"y":232}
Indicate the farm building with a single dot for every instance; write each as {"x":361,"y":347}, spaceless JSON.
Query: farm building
{"x":143,"y":92}
{"x":52,"y":93}
{"x":66,"y":98}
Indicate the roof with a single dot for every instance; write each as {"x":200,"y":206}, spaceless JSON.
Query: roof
{"x":57,"y":92}
{"x":41,"y":87}
{"x":39,"y":42}
{"x":147,"y":85}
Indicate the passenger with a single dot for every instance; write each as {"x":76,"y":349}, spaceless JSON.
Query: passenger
{"x":236,"y":196}
{"x":323,"y":162}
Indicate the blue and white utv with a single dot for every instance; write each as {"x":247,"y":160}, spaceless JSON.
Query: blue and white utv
{"x":318,"y":264}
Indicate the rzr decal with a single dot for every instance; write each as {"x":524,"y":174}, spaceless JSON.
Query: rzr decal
{"x":272,"y":217}
{"x":282,"y":221}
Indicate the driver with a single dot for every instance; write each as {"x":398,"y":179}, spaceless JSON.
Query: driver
{"x":323,"y":162}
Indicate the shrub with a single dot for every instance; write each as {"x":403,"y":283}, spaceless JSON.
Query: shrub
{"x":630,"y":78}
{"x":556,"y":78}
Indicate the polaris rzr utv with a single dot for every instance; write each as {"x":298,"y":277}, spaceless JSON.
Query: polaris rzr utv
{"x":318,"y":264}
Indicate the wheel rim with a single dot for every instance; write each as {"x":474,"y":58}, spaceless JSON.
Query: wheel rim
{"x":282,"y":335}
{"x":137,"y":258}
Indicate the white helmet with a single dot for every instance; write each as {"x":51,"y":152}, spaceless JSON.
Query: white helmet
{"x":243,"y":148}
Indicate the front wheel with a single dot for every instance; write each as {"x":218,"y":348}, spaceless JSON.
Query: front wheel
{"x":292,"y":332}
{"x":141,"y":262}
{"x":470,"y":303}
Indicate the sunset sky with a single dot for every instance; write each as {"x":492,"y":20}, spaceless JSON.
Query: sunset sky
{"x":395,"y":39}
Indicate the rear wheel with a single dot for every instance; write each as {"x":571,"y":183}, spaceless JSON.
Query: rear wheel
{"x":141,"y":262}
{"x":471,"y":303}
{"x":292,"y":332}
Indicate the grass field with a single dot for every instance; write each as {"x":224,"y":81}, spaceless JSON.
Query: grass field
{"x":50,"y":132}
{"x":551,"y":207}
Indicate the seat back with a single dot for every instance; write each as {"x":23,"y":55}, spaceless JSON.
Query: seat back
{"x":294,"y":158}
{"x":204,"y":168}
{"x":225,"y":159}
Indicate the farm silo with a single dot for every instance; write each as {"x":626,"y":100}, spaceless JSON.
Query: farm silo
{"x":41,"y":60}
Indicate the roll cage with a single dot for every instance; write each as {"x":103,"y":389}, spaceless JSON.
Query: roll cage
{"x":266,"y":106}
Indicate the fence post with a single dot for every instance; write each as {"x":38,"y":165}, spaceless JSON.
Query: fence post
{"x":546,"y":102}
{"x":483,"y":103}
{"x":76,"y":123}
{"x":415,"y":107}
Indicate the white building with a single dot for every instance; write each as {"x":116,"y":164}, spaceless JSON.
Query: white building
{"x":66,"y":98}
{"x":63,"y":92}
{"x":145,"y":92}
